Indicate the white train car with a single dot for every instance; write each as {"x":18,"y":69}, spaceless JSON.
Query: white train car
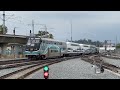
{"x":89,"y":49}
{"x":84,"y":46}
{"x":73,"y":49}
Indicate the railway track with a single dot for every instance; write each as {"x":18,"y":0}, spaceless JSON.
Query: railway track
{"x":6,"y":66}
{"x":24,"y":72}
{"x":111,"y":56}
{"x":22,"y":62}
{"x":98,"y":60}
{"x":13,"y":61}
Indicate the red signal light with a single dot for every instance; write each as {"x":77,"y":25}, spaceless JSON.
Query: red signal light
{"x":46,"y":75}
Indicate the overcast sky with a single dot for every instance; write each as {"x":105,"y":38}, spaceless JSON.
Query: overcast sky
{"x":95,"y":25}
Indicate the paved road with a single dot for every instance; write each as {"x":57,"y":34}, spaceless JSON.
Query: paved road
{"x":73,"y":69}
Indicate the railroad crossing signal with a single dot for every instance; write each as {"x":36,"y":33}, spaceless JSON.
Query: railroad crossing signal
{"x":46,"y":72}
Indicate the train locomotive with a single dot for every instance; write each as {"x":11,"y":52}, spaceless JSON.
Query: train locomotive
{"x":43,"y":48}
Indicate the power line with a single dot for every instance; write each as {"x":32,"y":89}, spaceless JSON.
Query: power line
{"x":4,"y":19}
{"x":45,"y":27}
{"x":33,"y":25}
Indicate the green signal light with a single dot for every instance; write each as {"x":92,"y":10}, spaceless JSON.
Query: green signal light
{"x":46,"y":68}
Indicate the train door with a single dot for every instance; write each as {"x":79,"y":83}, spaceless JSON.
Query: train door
{"x":53,"y":52}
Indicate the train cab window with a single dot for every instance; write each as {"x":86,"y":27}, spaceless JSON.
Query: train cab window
{"x":86,"y":46}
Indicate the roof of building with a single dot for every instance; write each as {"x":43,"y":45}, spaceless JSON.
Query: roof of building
{"x":11,"y":35}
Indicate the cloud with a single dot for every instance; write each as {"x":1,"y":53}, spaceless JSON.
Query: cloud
{"x":86,"y":24}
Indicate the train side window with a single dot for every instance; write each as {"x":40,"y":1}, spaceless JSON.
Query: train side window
{"x":64,"y":48}
{"x":52,"y":42}
{"x":55,"y":50}
{"x":46,"y":42}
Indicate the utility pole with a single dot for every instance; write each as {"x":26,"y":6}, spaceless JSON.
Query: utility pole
{"x":116,"y":40}
{"x":3,"y":22}
{"x":14,"y":42}
{"x":33,"y":26}
{"x":116,"y":43}
{"x":5,"y":19}
{"x":105,"y":45}
{"x":45,"y":27}
{"x":71,"y":30}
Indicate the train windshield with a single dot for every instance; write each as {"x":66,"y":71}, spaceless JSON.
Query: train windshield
{"x":33,"y":45}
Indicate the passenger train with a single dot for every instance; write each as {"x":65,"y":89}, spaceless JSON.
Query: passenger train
{"x":43,"y":48}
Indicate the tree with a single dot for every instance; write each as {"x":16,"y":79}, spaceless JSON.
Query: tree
{"x":3,"y":31}
{"x":118,"y":46}
{"x":85,"y":41}
{"x":51,"y":36}
{"x":42,"y":33}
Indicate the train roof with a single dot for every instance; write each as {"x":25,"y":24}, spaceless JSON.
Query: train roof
{"x":50,"y":39}
{"x":72,"y":43}
{"x":85,"y":44}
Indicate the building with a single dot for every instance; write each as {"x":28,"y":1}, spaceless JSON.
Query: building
{"x":12,"y":45}
{"x":108,"y":48}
